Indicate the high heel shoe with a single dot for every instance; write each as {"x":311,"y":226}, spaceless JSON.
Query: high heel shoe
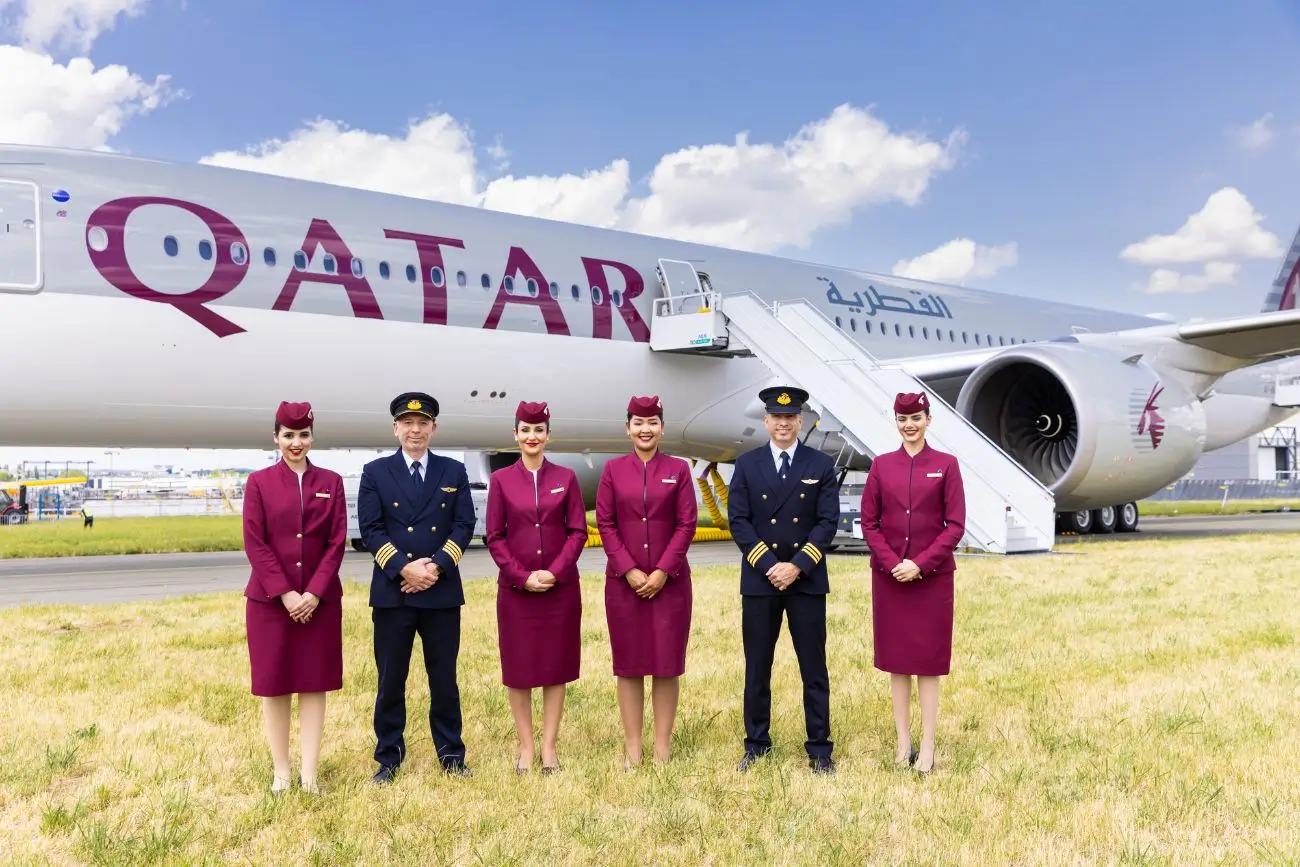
{"x":908,"y":762}
{"x":280,"y":785}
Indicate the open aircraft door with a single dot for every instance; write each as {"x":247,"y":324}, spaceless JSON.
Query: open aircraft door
{"x":20,"y":237}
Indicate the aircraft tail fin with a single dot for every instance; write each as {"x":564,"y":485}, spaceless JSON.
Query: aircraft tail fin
{"x":1282,"y":295}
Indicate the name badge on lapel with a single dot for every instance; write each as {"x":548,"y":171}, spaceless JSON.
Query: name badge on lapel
{"x":934,"y":475}
{"x":324,"y":495}
{"x":669,"y":481}
{"x":557,"y":490}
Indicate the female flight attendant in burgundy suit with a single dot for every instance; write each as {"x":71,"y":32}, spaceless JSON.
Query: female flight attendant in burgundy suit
{"x":913,"y":517}
{"x":295,"y":524}
{"x":646,"y":514}
{"x":536,"y":530}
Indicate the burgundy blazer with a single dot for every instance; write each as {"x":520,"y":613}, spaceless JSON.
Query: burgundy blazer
{"x":294,"y":544}
{"x":646,"y":514}
{"x":529,"y":530}
{"x":914,"y":509}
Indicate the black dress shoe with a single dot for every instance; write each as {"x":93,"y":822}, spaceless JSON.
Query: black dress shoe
{"x":747,"y":761}
{"x":385,"y":774}
{"x":822,"y":765}
{"x":457,"y":769}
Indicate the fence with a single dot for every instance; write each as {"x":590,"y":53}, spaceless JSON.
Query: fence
{"x":1222,"y":490}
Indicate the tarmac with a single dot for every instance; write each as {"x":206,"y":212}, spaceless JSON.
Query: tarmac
{"x":143,"y":577}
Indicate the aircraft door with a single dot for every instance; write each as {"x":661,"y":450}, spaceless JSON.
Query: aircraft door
{"x":681,"y":284}
{"x":20,"y":237}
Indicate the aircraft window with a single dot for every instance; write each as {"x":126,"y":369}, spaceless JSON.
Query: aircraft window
{"x":977,"y":340}
{"x":532,"y":287}
{"x":597,"y":296}
{"x":170,"y":247}
{"x":989,"y":337}
{"x":358,"y":268}
{"x":205,"y":249}
{"x":1001,"y":342}
{"x":555,"y":289}
{"x":238,"y":253}
{"x":911,"y":331}
{"x":617,"y":297}
{"x":486,"y":281}
{"x":510,"y":284}
{"x":853,"y":324}
{"x":300,"y":260}
{"x":328,"y":263}
{"x":838,"y":323}
{"x":436,"y":275}
{"x":952,"y":335}
{"x":866,"y":325}
{"x":462,"y":280}
{"x":925,"y":334}
{"x":268,"y":256}
{"x":410,"y":273}
{"x":384,"y":270}
{"x":577,"y":293}
{"x":898,"y":330}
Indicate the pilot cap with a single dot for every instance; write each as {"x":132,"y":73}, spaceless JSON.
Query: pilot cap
{"x":532,"y":413}
{"x":294,"y":416}
{"x":783,"y":399}
{"x":413,"y":402}
{"x":907,"y":403}
{"x":645,"y":407}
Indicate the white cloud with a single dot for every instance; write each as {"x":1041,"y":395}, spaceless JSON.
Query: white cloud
{"x":72,"y":104}
{"x":957,"y":261}
{"x":1257,"y":136}
{"x":72,"y":23}
{"x":1165,"y":280}
{"x":743,"y":195}
{"x":1227,"y":227}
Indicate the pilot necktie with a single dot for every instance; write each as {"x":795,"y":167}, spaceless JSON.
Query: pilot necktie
{"x":785,"y":464}
{"x":415,"y":474}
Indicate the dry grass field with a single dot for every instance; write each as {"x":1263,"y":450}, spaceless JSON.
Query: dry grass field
{"x":1131,"y":702}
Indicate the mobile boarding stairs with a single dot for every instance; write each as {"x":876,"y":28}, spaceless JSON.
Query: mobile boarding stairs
{"x":1007,"y":509}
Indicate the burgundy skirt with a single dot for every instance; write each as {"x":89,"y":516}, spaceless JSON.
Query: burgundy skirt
{"x":648,"y":637}
{"x":911,"y":623}
{"x":288,"y":657}
{"x":539,"y":635}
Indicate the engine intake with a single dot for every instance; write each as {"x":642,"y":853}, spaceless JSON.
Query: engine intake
{"x":1093,"y":428}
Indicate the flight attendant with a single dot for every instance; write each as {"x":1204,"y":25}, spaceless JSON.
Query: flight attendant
{"x":295,"y":526}
{"x":536,"y":530}
{"x":646,"y":514}
{"x":913,"y":517}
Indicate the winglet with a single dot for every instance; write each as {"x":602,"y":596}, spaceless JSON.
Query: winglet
{"x":1283,"y":294}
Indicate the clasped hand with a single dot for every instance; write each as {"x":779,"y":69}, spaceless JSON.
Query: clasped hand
{"x":646,"y":586}
{"x":300,"y":606}
{"x":782,"y":575}
{"x":419,"y":575}
{"x":906,"y":571}
{"x":539,"y":581}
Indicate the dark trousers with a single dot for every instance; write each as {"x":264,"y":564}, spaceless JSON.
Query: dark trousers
{"x":759,"y":628}
{"x":395,"y":630}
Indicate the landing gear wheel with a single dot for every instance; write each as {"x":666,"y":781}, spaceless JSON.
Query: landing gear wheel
{"x":1104,"y":520}
{"x":1079,"y":522}
{"x":1128,"y":518}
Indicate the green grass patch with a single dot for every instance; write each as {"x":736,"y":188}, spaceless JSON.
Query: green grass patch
{"x":163,"y":535}
{"x":1170,"y":508}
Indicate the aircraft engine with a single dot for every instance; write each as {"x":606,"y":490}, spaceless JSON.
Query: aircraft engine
{"x":1094,"y":428}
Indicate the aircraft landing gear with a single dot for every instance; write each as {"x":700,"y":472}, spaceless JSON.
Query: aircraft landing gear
{"x":1103,"y":521}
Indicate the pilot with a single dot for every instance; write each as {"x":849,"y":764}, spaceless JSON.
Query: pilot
{"x":536,"y":530}
{"x":416,"y":516}
{"x":913,"y":517}
{"x":646,"y":514}
{"x":295,"y":526}
{"x":784,"y":510}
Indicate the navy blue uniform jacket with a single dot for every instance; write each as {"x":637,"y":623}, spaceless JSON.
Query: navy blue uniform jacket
{"x":400,"y":524}
{"x":792,"y":521}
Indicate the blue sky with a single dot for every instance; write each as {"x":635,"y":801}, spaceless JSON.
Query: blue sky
{"x":1085,"y":128}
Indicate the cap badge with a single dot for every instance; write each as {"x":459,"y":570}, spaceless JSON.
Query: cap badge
{"x":783,"y":399}
{"x":414,"y":404}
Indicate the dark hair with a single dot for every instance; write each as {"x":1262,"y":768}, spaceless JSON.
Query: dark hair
{"x":279,"y":426}
{"x":660,"y":417}
{"x":518,"y":422}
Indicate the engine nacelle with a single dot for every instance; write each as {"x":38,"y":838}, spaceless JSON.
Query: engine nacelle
{"x":1094,"y":429}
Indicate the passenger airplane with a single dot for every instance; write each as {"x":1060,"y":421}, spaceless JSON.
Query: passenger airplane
{"x":149,"y":304}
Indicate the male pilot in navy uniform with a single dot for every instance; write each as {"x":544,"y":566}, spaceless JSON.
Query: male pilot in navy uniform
{"x":416,"y":516}
{"x":784,"y":509}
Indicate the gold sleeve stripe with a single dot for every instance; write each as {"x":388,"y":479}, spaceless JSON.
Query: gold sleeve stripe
{"x":813,"y":552}
{"x":454,"y":551}
{"x":386,"y":552}
{"x":756,"y":553}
